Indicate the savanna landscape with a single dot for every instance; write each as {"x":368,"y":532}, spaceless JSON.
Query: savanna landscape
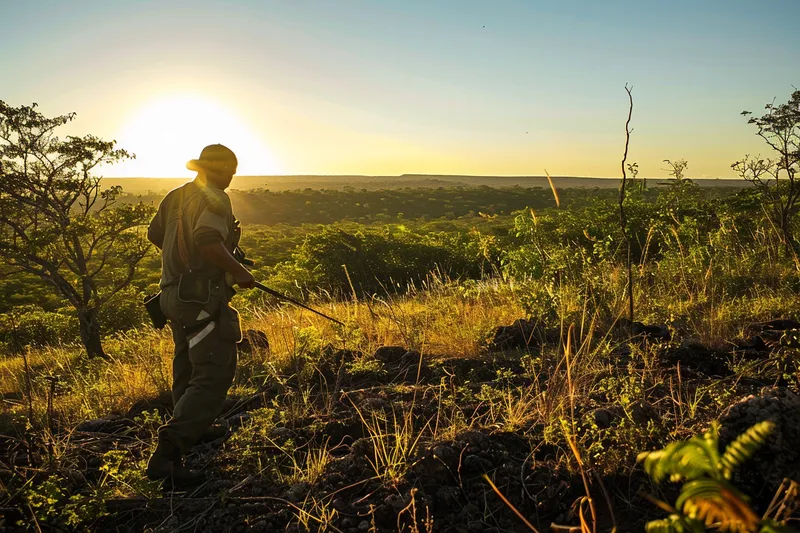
{"x":486,"y":374}
{"x":504,"y":266}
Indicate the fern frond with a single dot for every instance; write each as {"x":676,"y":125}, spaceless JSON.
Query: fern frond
{"x":689,"y":459}
{"x":745,"y":446}
{"x":674,"y":524}
{"x":719,"y":504}
{"x":665,"y":525}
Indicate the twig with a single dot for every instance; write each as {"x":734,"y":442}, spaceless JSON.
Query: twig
{"x":623,"y":221}
{"x":510,"y":505}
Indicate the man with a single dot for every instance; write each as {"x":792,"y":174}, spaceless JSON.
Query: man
{"x":197,"y":233}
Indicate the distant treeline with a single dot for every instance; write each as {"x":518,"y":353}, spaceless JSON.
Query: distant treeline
{"x":315,"y":206}
{"x":326,"y":206}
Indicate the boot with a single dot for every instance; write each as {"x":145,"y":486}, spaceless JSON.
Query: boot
{"x":165,"y":464}
{"x":215,"y":431}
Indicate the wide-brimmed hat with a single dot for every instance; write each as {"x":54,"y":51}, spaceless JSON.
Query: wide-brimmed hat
{"x":214,"y":157}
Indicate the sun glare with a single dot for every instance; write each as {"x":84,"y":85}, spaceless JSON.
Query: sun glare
{"x":166,"y":133}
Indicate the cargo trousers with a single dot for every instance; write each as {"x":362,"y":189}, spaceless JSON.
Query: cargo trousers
{"x":204,"y":364}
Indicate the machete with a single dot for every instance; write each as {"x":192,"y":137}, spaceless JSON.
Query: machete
{"x":278,"y":295}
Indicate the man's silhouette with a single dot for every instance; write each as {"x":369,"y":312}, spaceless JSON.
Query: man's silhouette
{"x":197,"y":233}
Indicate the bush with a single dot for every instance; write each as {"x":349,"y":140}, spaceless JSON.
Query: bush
{"x":31,"y":325}
{"x":378,"y":260}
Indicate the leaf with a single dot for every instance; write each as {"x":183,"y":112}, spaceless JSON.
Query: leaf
{"x":745,"y":446}
{"x":717,"y":503}
{"x":674,"y":524}
{"x":680,"y":460}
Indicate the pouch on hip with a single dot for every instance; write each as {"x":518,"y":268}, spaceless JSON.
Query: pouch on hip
{"x":194,"y":288}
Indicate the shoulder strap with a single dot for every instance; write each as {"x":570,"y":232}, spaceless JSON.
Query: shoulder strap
{"x":183,"y":250}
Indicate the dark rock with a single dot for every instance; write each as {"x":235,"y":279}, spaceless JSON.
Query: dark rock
{"x":775,"y":325}
{"x":253,"y":340}
{"x":655,"y":332}
{"x":642,"y":412}
{"x":344,"y":431}
{"x":475,"y":464}
{"x":297,"y":491}
{"x":281,"y":433}
{"x":396,"y":501}
{"x":363,"y":447}
{"x":696,"y":357}
{"x":447,"y":496}
{"x":779,"y":457}
{"x":473,"y":438}
{"x":390,"y":354}
{"x":754,"y":346}
{"x":108,"y":424}
{"x":604,"y":417}
{"x":521,"y":334}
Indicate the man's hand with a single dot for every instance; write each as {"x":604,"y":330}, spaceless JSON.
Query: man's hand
{"x":244,"y":279}
{"x":218,"y":255}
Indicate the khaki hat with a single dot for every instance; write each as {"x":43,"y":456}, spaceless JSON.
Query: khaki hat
{"x":214,"y":157}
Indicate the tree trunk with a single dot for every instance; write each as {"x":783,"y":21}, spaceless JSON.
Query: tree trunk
{"x":90,"y":332}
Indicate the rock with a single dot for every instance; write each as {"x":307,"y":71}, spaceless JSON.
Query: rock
{"x":475,"y":464}
{"x":655,"y":332}
{"x":473,"y":438}
{"x":604,"y":417}
{"x":519,"y":335}
{"x":642,"y":413}
{"x":694,"y":356}
{"x":779,"y":457}
{"x":107,"y":424}
{"x":362,"y":447}
{"x":753,"y":347}
{"x":375,"y":404}
{"x":395,"y":501}
{"x":658,"y":332}
{"x":253,"y":340}
{"x":298,"y":491}
{"x":447,"y":496}
{"x":281,"y":433}
{"x":775,"y":325}
{"x":390,"y":354}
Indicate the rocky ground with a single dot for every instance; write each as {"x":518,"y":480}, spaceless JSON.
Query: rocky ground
{"x":439,"y":484}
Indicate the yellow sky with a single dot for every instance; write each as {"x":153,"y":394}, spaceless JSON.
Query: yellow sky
{"x":387,"y":88}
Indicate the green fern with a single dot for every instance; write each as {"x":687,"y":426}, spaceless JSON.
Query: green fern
{"x":745,"y":446}
{"x":674,"y":524}
{"x":707,"y":499}
{"x":716,"y":502}
{"x":687,"y":460}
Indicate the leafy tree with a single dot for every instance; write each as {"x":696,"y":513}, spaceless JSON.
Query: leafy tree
{"x":55,"y":220}
{"x":776,"y":178}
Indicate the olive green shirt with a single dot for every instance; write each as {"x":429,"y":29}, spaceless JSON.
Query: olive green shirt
{"x":203,"y":212}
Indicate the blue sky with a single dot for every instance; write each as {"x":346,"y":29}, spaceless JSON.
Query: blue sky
{"x":389,"y":87}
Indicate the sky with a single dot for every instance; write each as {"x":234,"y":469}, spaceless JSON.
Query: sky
{"x":387,"y":87}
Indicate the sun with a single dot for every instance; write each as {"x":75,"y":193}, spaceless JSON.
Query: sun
{"x":167,"y":132}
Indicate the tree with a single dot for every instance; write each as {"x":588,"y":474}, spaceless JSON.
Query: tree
{"x":676,"y":168}
{"x":55,"y":220}
{"x":777,"y":178}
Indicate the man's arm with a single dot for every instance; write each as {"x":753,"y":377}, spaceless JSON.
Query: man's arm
{"x":216,"y":254}
{"x":155,"y":231}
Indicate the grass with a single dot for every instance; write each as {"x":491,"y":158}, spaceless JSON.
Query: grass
{"x":549,"y":397}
